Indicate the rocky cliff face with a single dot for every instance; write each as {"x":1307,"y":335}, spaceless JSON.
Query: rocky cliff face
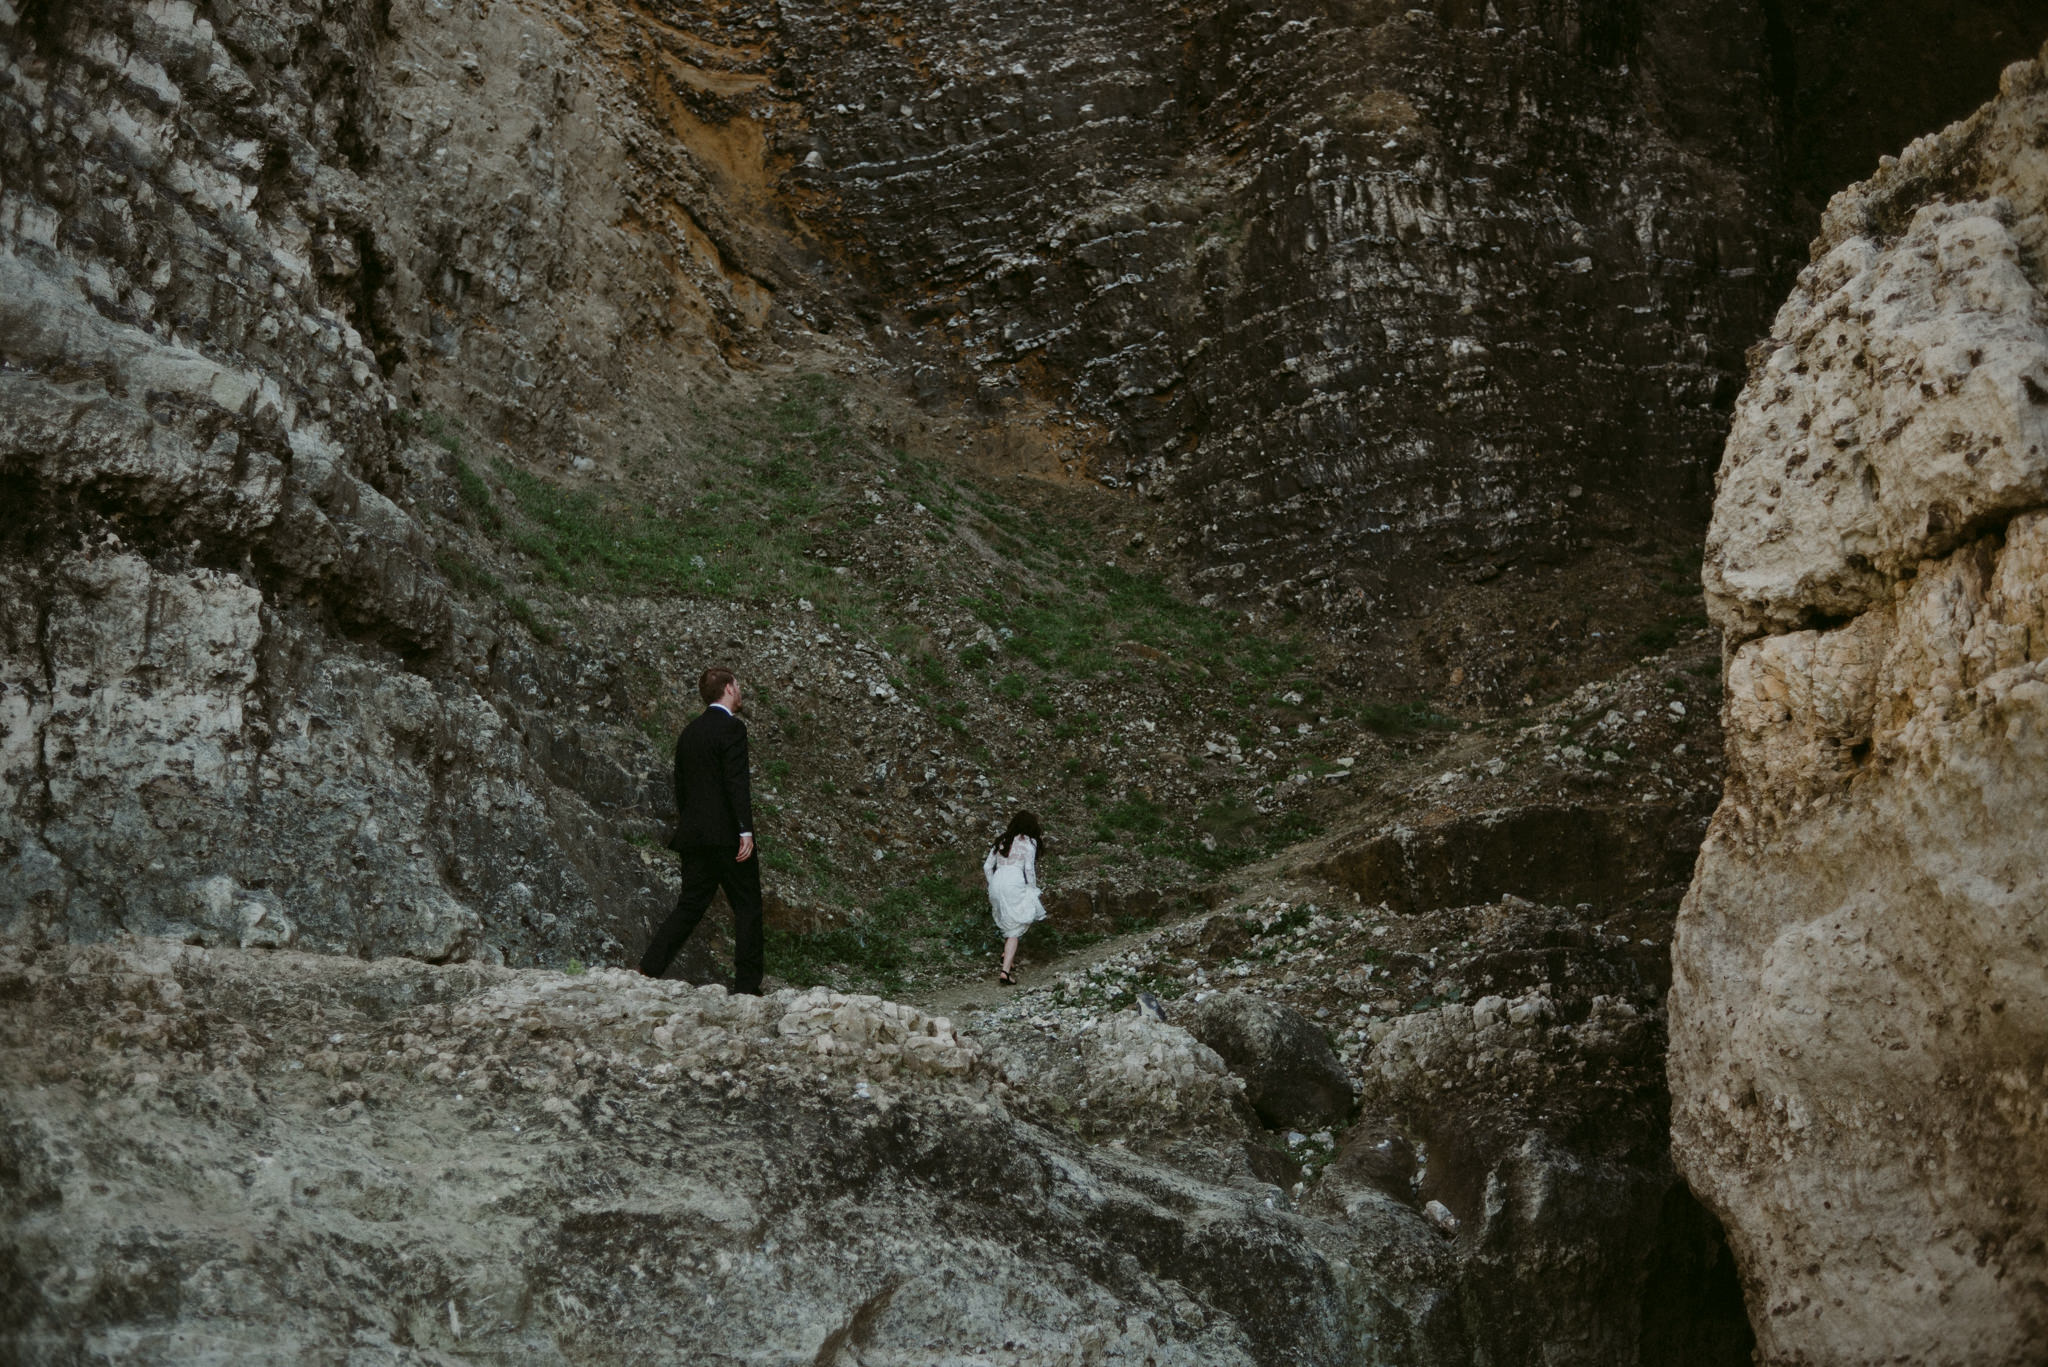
{"x":1382,"y":301}
{"x":301,"y":296}
{"x":399,"y":402}
{"x":1859,"y":1008}
{"x":227,"y":245}
{"x":366,"y":370}
{"x":221,"y":1154}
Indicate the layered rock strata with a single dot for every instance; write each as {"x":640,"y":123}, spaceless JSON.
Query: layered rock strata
{"x":1375,"y":296}
{"x":238,"y":699}
{"x":265,"y":267}
{"x":1379,"y":297}
{"x":1859,"y":1011}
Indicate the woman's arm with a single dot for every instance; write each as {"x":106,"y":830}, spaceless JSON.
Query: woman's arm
{"x":988,"y":865}
{"x":1030,"y":862}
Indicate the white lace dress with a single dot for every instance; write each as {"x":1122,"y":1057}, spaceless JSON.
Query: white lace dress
{"x":1013,"y":886}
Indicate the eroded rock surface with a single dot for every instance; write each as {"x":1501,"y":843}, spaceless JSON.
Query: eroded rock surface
{"x":1300,"y":267}
{"x":1860,"y":1004}
{"x":224,"y":1155}
{"x":232,"y":672}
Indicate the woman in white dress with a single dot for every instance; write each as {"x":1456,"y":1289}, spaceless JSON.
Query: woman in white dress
{"x":1012,"y":873}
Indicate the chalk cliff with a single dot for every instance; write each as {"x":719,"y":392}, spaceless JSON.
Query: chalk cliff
{"x":1859,"y":1009}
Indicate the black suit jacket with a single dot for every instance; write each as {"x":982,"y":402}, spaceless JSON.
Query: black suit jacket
{"x":714,"y":797}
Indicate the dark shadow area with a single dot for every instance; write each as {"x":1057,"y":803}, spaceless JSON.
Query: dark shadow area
{"x":1862,"y":78}
{"x":1692,"y":1311}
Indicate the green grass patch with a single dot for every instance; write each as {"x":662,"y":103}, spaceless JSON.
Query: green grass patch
{"x":1402,"y":718}
{"x":935,"y":919}
{"x":476,"y":497}
{"x":1075,"y":628}
{"x":466,"y":576}
{"x":442,"y":431}
{"x":1136,"y":816}
{"x":1681,"y":573}
{"x":742,"y":537}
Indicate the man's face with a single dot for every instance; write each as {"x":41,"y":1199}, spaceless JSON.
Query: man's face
{"x":732,"y":697}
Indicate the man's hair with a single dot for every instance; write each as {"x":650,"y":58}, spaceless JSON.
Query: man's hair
{"x":713,"y":683}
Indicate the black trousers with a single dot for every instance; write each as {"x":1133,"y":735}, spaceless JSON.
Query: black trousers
{"x":706,"y":869}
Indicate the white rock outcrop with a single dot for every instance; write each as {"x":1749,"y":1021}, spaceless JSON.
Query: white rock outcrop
{"x":1859,"y":1013}
{"x":213,"y":1155}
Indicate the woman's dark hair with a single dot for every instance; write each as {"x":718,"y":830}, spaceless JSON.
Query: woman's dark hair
{"x":1023,"y":823}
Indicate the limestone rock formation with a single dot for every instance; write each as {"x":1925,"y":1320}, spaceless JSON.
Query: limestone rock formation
{"x":260,"y":261}
{"x":1378,"y":297}
{"x":1860,"y":1002}
{"x":252,"y":1156}
{"x":226,"y":253}
{"x":1383,"y":305}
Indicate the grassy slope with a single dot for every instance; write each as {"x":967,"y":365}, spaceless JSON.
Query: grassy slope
{"x":925,"y":648}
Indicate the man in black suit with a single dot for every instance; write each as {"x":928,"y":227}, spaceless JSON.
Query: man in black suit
{"x":714,"y":834}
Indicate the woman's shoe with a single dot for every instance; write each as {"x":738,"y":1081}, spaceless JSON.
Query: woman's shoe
{"x":1003,"y":977}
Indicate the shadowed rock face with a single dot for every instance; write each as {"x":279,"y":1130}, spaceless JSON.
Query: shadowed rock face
{"x":1292,"y":1077}
{"x":1859,"y":78}
{"x":1859,"y":1006}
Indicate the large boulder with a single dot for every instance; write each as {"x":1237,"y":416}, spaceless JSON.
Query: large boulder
{"x":1859,"y":1010}
{"x":1292,"y":1077}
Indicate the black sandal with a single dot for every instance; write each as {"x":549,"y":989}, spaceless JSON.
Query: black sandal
{"x":1003,"y":977}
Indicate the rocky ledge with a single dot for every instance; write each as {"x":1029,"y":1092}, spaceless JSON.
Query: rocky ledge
{"x":217,"y":1155}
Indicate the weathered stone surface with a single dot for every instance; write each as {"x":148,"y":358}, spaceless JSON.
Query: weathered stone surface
{"x":1833,"y":485}
{"x":1860,"y":1007}
{"x":1136,"y":1079}
{"x":1381,"y":301}
{"x":1367,"y":293}
{"x":1509,"y":1062}
{"x":233,"y":242}
{"x":285,"y":1157}
{"x":1302,"y":267}
{"x":238,"y":242}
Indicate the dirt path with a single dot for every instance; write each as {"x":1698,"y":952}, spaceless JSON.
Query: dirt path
{"x":961,"y":999}
{"x":1252,"y":883}
{"x":1271,"y":877}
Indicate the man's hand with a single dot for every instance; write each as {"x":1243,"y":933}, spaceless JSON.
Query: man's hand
{"x":746,"y":849}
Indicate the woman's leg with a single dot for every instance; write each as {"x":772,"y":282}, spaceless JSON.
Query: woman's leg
{"x":1009,"y":953}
